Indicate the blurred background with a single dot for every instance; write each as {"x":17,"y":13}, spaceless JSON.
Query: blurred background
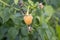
{"x":45,"y":24}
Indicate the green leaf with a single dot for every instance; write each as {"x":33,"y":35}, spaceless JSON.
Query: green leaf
{"x":24,"y":31}
{"x":49,"y":11}
{"x":35,"y":35}
{"x":25,"y":38}
{"x":30,"y":2}
{"x":5,"y":15}
{"x":3,"y":30}
{"x":41,"y":32}
{"x":16,"y":1}
{"x":12,"y":33}
{"x":58,"y":31}
{"x":1,"y":20}
{"x":49,"y":34}
{"x":17,"y":18}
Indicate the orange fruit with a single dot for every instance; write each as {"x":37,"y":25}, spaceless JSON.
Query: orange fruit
{"x":28,"y":19}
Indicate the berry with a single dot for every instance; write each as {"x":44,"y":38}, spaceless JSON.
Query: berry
{"x":28,"y":19}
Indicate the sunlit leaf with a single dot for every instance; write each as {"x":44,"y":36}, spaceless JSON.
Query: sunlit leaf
{"x":16,"y":1}
{"x":49,"y":11}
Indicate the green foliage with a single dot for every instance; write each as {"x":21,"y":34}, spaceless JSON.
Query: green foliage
{"x":44,"y":25}
{"x":16,"y":1}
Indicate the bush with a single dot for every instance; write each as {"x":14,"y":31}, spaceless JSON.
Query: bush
{"x":44,"y":26}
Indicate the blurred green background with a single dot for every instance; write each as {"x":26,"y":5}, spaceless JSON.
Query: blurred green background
{"x":45,"y":25}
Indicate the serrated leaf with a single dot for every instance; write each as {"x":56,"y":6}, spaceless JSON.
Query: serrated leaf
{"x":3,"y":30}
{"x":49,"y":34}
{"x":12,"y":33}
{"x":16,"y":18}
{"x":35,"y":35}
{"x":5,"y":15}
{"x":41,"y":32}
{"x":24,"y":31}
{"x":49,"y":11}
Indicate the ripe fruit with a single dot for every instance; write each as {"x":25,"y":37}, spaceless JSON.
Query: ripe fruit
{"x":28,"y":19}
{"x":41,"y":5}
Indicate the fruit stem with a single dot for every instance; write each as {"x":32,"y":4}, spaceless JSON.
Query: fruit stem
{"x":27,"y":11}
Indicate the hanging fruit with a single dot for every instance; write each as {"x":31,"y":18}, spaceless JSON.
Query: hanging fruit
{"x":28,"y":19}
